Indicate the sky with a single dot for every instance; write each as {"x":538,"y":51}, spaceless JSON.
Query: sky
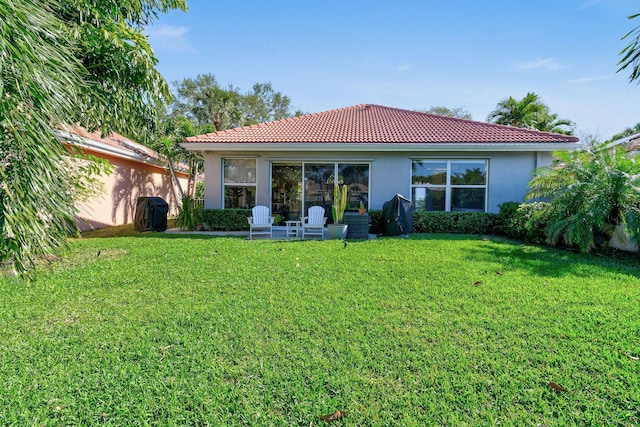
{"x":413,"y":54}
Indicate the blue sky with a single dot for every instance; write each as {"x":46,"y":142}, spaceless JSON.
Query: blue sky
{"x":413,"y":54}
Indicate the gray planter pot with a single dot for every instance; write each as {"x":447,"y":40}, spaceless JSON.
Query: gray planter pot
{"x":337,"y":231}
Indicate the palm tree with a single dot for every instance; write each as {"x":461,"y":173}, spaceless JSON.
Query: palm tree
{"x":551,"y":123}
{"x":529,"y":113}
{"x":592,"y":191}
{"x":218,"y":106}
{"x":522,"y":114}
{"x":631,"y":53}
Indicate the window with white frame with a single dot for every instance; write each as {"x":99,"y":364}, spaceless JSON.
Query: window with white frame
{"x":449,"y":185}
{"x":239,"y":183}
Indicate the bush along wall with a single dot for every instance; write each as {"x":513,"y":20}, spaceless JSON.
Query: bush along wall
{"x":454,"y":222}
{"x":376,"y":221}
{"x":527,"y":222}
{"x":226,"y":219}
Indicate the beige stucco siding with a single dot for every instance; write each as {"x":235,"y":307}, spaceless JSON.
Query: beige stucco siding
{"x":129,"y":180}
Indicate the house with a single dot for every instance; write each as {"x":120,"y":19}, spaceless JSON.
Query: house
{"x":440,"y":163}
{"x":630,"y":142}
{"x":137,"y":171}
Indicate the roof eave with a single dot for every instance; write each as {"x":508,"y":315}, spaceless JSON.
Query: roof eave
{"x":101,"y":147}
{"x":362,"y":146}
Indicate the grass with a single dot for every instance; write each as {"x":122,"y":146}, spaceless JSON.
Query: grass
{"x":432,"y":330}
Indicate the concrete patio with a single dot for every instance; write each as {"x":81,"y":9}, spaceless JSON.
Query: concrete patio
{"x":279,"y":233}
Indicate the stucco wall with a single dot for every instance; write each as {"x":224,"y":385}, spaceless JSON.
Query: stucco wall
{"x":128,"y":181}
{"x":390,"y":173}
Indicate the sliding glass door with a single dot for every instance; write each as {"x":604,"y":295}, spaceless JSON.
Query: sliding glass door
{"x":297,"y":186}
{"x":286,"y":191}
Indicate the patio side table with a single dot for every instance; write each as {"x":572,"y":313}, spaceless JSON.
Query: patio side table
{"x":293,"y":228}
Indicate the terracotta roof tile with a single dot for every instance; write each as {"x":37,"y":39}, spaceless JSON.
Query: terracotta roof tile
{"x":113,"y":139}
{"x":367,"y":123}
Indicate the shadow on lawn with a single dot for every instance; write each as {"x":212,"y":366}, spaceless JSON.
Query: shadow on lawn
{"x":546,"y":261}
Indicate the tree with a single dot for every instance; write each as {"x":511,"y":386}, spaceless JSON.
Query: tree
{"x":64,"y":62}
{"x":459,"y":112}
{"x":592,"y":191}
{"x":206,"y":102}
{"x":631,"y":53}
{"x":264,"y":104}
{"x":529,"y":113}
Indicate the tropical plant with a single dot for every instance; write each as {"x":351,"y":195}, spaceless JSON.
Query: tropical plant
{"x":591,"y":192}
{"x":339,"y":203}
{"x":64,"y":61}
{"x":186,"y":218}
{"x":529,"y":113}
{"x":631,"y":53}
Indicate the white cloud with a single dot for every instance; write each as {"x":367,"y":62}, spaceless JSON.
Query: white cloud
{"x":169,"y":38}
{"x":546,"y":64}
{"x":591,"y":79}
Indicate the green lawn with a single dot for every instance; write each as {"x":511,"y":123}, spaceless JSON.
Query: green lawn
{"x":432,"y":330}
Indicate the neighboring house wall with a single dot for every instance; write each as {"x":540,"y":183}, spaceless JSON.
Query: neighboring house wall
{"x":390,"y":172}
{"x":138,"y":171}
{"x":129,"y":180}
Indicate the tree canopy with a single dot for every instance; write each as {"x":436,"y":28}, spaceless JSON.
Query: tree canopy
{"x":63,"y":61}
{"x":458,"y":112}
{"x":203,"y":100}
{"x":529,"y":113}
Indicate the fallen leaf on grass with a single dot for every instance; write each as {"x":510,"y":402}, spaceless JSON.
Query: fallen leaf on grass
{"x":333,"y":417}
{"x":164,"y":351}
{"x":556,"y":387}
{"x":477,"y":283}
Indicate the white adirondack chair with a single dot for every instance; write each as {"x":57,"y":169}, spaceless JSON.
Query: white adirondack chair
{"x":313,"y":224}
{"x":261,"y":223}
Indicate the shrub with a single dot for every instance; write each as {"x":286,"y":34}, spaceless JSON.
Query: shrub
{"x":376,"y":219}
{"x":186,"y":219}
{"x":592,"y":191}
{"x":226,"y":219}
{"x":528,"y":222}
{"x":454,"y":222}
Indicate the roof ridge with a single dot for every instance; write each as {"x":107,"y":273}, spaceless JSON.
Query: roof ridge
{"x":375,"y":123}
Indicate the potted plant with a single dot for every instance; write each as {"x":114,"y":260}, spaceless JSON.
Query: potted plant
{"x":338,"y":230}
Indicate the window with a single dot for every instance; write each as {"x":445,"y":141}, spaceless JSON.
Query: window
{"x":449,"y":185}
{"x":239,"y":183}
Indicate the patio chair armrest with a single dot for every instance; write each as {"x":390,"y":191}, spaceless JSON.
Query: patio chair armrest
{"x":250,"y":220}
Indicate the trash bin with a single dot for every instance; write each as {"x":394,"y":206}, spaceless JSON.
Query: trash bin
{"x":151,"y":214}
{"x":398,"y":216}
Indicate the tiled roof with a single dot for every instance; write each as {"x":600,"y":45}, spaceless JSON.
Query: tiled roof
{"x":367,"y":123}
{"x":114,"y":140}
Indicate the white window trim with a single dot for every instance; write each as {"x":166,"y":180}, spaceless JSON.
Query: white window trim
{"x":448,"y":186}
{"x":238,"y":184}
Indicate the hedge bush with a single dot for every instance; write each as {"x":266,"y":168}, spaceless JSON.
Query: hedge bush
{"x":226,"y":219}
{"x":454,"y":222}
{"x":376,"y":219}
{"x":527,"y":221}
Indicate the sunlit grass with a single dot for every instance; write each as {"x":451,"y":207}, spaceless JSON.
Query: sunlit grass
{"x":435,"y":330}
